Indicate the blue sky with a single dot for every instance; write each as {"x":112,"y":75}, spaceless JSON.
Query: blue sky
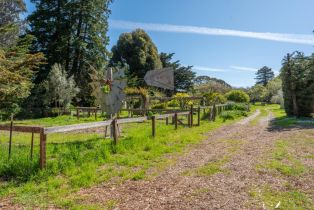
{"x":227,"y":39}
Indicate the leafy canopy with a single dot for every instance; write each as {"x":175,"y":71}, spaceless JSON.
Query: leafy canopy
{"x":238,"y":96}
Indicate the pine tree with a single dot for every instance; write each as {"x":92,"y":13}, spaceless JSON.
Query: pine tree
{"x":264,"y":75}
{"x":73,"y":34}
{"x":297,"y":75}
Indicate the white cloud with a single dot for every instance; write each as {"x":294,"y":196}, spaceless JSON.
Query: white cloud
{"x":279,"y":37}
{"x":244,"y":68}
{"x":205,"y":68}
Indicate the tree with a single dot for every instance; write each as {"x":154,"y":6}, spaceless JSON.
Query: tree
{"x":73,"y":34}
{"x":257,"y":93}
{"x":205,"y":84}
{"x":273,"y":87}
{"x":183,"y":75}
{"x":17,"y":64}
{"x":264,"y":75}
{"x":214,"y":98}
{"x":238,"y":96}
{"x":61,"y":89}
{"x":297,"y":75}
{"x":137,"y":50}
{"x":10,"y":22}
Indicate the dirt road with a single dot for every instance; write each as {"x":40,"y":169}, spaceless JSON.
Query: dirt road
{"x":220,"y":173}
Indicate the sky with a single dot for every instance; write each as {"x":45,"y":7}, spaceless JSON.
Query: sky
{"x":226,"y":39}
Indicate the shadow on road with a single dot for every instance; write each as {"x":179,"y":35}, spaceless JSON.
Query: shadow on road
{"x":288,"y":123}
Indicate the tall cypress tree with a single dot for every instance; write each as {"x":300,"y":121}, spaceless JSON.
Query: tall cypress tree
{"x":73,"y":34}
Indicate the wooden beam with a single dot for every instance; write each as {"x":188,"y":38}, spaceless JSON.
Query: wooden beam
{"x":153,"y":126}
{"x":23,"y":129}
{"x":67,"y":128}
{"x":42,"y":150}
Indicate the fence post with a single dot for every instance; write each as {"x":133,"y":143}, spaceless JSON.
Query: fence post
{"x":214,"y":112}
{"x":77,"y":113}
{"x":175,"y":121}
{"x":10,"y":139}
{"x":189,"y":120}
{"x":114,"y":131}
{"x":167,"y":120}
{"x":42,"y":149}
{"x":153,"y":126}
{"x":198,"y":116}
{"x":32,"y":145}
{"x":191,"y":115}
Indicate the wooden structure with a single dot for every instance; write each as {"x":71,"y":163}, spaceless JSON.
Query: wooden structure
{"x":89,"y":110}
{"x":113,"y":123}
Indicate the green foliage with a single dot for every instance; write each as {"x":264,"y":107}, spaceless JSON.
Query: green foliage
{"x":214,"y":98}
{"x":205,"y":84}
{"x":264,"y":75}
{"x":137,"y":50}
{"x":232,"y":114}
{"x":61,"y":89}
{"x":183,"y":100}
{"x":10,"y":23}
{"x":238,"y":96}
{"x":238,"y":106}
{"x":173,"y":103}
{"x":160,"y":106}
{"x":257,"y":93}
{"x":183,"y":75}
{"x":297,"y":75}
{"x":141,"y":92}
{"x":274,"y":90}
{"x":17,"y":64}
{"x":73,"y":34}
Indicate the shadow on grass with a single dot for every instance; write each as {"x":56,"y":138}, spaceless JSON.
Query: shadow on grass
{"x":286,"y":123}
{"x":60,"y":157}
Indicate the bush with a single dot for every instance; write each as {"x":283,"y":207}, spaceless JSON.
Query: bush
{"x":173,"y":103}
{"x":238,"y":106}
{"x":159,"y":106}
{"x":214,"y":98}
{"x":238,"y":96}
{"x":232,"y":114}
{"x":183,"y":100}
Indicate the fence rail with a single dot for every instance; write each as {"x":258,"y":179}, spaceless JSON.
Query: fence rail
{"x":113,"y":123}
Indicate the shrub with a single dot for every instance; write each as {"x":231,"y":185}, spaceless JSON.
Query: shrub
{"x":159,"y":106}
{"x":238,"y":96}
{"x":232,"y":114}
{"x":239,"y":106}
{"x":214,"y":98}
{"x":173,"y":103}
{"x":183,"y":100}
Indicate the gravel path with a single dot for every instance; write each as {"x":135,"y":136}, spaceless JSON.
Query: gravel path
{"x":242,"y":143}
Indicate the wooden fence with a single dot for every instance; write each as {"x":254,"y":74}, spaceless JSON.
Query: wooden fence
{"x":113,"y":124}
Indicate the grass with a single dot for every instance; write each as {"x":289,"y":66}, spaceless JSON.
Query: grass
{"x":80,"y":160}
{"x":216,"y":166}
{"x":289,"y":200}
{"x":283,"y":161}
{"x":211,"y":168}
